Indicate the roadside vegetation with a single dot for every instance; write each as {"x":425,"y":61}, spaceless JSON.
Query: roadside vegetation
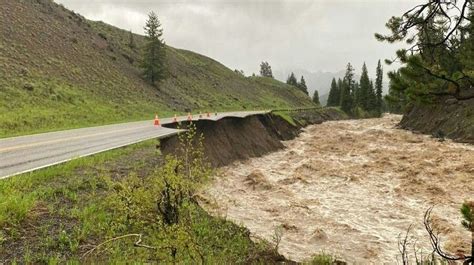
{"x":127,"y":205}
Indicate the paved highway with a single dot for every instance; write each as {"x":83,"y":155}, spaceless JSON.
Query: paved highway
{"x":27,"y":153}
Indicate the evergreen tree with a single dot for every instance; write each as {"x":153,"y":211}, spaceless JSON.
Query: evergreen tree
{"x":372,"y":99}
{"x":364,"y":89}
{"x":356,"y":95}
{"x":153,"y":63}
{"x":379,"y":89}
{"x":439,"y":62}
{"x":291,"y":80}
{"x":339,"y":88}
{"x":316,"y":97}
{"x":266,"y":70}
{"x":131,"y":42}
{"x":334,"y":93}
{"x":396,"y":98}
{"x":347,"y":102}
{"x":302,"y":86}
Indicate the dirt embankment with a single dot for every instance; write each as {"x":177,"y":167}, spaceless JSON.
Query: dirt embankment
{"x":232,"y":139}
{"x":453,"y":119}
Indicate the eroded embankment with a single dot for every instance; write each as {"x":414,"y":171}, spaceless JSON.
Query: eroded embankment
{"x":450,"y":117}
{"x":349,"y":188}
{"x":232,"y":139}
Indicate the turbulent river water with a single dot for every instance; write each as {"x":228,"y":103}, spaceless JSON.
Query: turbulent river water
{"x":349,"y":188}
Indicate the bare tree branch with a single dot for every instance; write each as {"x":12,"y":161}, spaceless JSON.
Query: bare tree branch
{"x":136,"y":244}
{"x":436,"y":242}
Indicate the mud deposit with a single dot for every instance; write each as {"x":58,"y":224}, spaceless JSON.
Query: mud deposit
{"x":349,"y":188}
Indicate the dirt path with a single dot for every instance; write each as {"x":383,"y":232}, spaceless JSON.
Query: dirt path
{"x":349,"y":188}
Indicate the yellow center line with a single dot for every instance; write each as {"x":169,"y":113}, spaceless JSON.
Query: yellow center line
{"x":11,"y":148}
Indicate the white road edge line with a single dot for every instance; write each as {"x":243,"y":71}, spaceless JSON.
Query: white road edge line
{"x":91,"y":153}
{"x":219,"y":117}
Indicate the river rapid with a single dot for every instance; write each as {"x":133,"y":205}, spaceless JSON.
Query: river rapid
{"x":349,"y":189}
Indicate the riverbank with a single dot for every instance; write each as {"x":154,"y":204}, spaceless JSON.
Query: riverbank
{"x":349,"y":188}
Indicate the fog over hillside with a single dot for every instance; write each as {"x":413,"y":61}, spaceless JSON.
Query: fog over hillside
{"x":321,"y":80}
{"x":320,"y":35}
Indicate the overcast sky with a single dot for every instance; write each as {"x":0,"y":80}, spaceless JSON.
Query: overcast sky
{"x":319,"y":35}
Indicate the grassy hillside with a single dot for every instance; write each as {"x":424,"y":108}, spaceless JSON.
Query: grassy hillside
{"x":59,"y":70}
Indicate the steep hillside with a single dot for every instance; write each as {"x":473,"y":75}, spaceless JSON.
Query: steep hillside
{"x":448,"y":118}
{"x":59,"y":70}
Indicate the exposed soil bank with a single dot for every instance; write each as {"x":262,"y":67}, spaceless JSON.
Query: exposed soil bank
{"x":232,"y":139}
{"x":318,"y":116}
{"x":350,"y":188}
{"x":453,"y":119}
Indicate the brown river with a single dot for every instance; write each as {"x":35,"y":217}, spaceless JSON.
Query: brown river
{"x":349,"y":189}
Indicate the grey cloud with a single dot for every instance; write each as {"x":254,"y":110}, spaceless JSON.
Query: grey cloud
{"x":290,"y":34}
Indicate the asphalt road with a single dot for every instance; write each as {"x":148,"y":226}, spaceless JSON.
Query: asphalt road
{"x":27,"y":153}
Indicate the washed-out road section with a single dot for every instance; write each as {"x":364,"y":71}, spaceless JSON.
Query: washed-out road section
{"x":27,"y":153}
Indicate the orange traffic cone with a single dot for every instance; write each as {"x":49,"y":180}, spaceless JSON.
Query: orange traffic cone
{"x":175,"y":119}
{"x":190,"y":118}
{"x":157,"y":121}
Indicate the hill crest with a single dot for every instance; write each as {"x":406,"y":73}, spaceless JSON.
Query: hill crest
{"x":60,"y":70}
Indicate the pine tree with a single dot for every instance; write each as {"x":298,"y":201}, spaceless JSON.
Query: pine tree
{"x":372,"y":99}
{"x":302,"y":86}
{"x":436,"y":65}
{"x":131,"y":42}
{"x":348,"y":90}
{"x":266,"y":70}
{"x":356,"y":95}
{"x":316,"y":97}
{"x":397,"y":99}
{"x":333,"y":98}
{"x":339,"y":88}
{"x":364,"y":89}
{"x":291,"y":80}
{"x":379,"y":89}
{"x":153,"y":63}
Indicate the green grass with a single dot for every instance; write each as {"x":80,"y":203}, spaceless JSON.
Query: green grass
{"x":55,"y":215}
{"x":55,"y":105}
{"x":20,"y":194}
{"x":76,"y":78}
{"x":286,"y":116}
{"x":305,"y":117}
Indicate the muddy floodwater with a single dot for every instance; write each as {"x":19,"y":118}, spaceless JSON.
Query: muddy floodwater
{"x":349,"y":188}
